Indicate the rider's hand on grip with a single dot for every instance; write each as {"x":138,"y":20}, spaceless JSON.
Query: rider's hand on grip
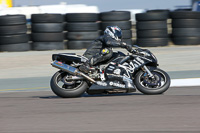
{"x":123,"y":44}
{"x":129,"y":48}
{"x":134,"y":51}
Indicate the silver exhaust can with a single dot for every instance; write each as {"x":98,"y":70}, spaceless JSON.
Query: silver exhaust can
{"x":70,"y":69}
{"x":64,"y":67}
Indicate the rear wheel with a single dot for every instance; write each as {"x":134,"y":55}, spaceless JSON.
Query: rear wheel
{"x":67,"y":89}
{"x":152,"y":86}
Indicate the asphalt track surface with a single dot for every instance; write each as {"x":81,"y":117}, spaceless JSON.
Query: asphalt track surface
{"x":43,"y":112}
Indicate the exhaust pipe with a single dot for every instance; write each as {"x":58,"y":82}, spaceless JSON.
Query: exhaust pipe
{"x":74,"y":78}
{"x":70,"y":69}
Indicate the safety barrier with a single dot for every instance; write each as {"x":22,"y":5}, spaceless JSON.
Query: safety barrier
{"x":78,"y":30}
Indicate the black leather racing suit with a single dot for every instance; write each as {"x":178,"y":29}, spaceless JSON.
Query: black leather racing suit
{"x":94,"y":52}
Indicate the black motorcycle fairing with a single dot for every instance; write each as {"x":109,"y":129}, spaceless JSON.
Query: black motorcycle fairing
{"x":114,"y":56}
{"x":68,"y":58}
{"x":146,"y":55}
{"x":128,"y":65}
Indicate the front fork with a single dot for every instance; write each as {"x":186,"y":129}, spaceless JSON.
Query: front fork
{"x":148,"y":71}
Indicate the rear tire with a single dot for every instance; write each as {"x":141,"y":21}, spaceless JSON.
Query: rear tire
{"x":69,"y":91}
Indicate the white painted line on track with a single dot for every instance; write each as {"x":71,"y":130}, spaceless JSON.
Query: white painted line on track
{"x":185,"y":82}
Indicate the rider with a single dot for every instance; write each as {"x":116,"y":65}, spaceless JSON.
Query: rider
{"x":101,"y":50}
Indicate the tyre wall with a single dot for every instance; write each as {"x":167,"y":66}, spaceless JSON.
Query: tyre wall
{"x":47,"y":32}
{"x":151,"y":29}
{"x":185,"y":27}
{"x":81,"y":29}
{"x":13,"y":33}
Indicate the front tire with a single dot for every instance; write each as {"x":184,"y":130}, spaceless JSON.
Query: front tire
{"x":67,"y":89}
{"x":149,"y":86}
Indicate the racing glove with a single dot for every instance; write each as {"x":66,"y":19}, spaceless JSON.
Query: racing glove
{"x":127,"y":46}
{"x":123,"y":44}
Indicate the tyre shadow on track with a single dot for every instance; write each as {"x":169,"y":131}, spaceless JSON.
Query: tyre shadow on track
{"x":96,"y":95}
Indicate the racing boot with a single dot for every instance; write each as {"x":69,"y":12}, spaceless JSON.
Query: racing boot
{"x":86,"y":68}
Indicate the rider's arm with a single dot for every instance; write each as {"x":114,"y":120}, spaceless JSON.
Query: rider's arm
{"x":111,"y":42}
{"x":128,"y":47}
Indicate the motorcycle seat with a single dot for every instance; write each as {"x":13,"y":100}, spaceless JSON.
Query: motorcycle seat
{"x":69,"y":57}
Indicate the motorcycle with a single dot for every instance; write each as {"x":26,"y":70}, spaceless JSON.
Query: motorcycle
{"x":141,"y":66}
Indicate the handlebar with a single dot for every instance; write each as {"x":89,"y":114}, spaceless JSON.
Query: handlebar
{"x":136,"y":46}
{"x":137,"y":51}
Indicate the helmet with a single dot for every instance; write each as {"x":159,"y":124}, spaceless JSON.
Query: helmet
{"x":113,"y":31}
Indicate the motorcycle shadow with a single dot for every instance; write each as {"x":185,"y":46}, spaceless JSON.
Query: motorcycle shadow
{"x":95,"y":95}
{"x":110,"y":95}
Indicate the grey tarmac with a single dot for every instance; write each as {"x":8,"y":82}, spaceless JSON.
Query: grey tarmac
{"x":41,"y":112}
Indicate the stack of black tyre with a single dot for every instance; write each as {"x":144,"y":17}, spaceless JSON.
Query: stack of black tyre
{"x":13,"y":35}
{"x":82,"y":29}
{"x":165,"y":11}
{"x":120,"y":19}
{"x":186,"y":27}
{"x":152,"y":29}
{"x":47,"y":31}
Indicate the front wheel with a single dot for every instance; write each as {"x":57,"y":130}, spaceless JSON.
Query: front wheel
{"x":157,"y":84}
{"x":67,"y":89}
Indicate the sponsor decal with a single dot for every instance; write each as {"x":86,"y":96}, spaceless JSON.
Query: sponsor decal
{"x":111,"y":67}
{"x":102,"y":83}
{"x":116,"y":84}
{"x":59,"y":63}
{"x":141,"y":61}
